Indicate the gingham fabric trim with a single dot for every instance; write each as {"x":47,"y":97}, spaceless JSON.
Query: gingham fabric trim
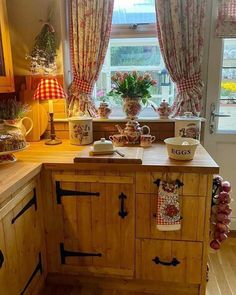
{"x":83,"y":86}
{"x":188,"y":83}
{"x":227,"y":10}
{"x":49,"y":89}
{"x":162,"y":198}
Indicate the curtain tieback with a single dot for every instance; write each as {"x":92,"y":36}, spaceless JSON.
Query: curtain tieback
{"x":186,"y":84}
{"x":83,"y":86}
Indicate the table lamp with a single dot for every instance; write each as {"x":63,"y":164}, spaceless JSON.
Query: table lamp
{"x":49,"y":89}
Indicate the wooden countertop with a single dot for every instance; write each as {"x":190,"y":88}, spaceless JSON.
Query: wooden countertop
{"x":154,"y":159}
{"x":13,"y":176}
{"x":30,"y":161}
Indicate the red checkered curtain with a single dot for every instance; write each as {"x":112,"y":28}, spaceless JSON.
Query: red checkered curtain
{"x":90,"y":27}
{"x":226,"y":21}
{"x":180,"y":27}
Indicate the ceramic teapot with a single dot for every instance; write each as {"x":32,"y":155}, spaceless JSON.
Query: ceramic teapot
{"x":104,"y":111}
{"x":16,"y":125}
{"x":133,"y":131}
{"x":164,"y":110}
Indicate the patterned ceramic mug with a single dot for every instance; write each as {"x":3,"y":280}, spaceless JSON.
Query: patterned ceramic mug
{"x":118,"y":139}
{"x":146,"y":140}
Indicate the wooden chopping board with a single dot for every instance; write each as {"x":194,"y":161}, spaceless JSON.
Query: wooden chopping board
{"x":133,"y":155}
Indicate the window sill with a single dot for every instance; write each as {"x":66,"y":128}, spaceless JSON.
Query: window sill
{"x":110,"y":120}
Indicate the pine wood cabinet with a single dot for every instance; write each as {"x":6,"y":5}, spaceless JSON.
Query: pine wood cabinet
{"x":21,"y":242}
{"x":103,"y":223}
{"x":6,"y":68}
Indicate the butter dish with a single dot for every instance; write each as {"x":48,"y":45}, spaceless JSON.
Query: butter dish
{"x":104,"y":147}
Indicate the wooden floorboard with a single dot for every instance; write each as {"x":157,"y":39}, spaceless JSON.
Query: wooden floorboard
{"x":222,"y":277}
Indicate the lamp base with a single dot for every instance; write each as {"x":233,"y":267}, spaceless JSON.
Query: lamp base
{"x":53,"y":141}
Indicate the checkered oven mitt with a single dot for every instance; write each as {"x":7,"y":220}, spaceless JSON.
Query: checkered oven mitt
{"x":168,"y":208}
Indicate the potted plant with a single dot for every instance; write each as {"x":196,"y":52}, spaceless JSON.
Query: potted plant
{"x":134,"y":89}
{"x":11,"y":109}
{"x":12,"y":115}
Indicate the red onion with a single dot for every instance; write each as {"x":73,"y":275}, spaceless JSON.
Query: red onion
{"x":222,"y":227}
{"x":215,"y":245}
{"x":221,"y":217}
{"x":224,"y":198}
{"x":225,"y":186}
{"x":222,"y":237}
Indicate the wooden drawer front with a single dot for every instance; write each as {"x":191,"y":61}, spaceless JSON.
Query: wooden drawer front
{"x":153,"y":254}
{"x":93,"y":224}
{"x":194,"y":184}
{"x":192,"y":223}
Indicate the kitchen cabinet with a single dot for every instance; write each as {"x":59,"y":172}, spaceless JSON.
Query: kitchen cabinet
{"x":100,"y":224}
{"x":21,"y":242}
{"x":6,"y":68}
{"x":96,"y":217}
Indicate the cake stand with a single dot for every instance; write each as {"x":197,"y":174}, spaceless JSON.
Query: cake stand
{"x":8,"y":157}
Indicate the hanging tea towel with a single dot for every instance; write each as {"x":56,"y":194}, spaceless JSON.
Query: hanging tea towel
{"x":168,"y":211}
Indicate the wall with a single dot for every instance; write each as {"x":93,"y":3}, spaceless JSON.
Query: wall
{"x":24,"y":19}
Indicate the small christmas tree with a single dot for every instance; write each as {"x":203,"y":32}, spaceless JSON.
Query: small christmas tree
{"x":43,"y":55}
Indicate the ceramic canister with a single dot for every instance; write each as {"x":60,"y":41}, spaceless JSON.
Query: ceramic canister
{"x":81,"y":130}
{"x":188,"y":126}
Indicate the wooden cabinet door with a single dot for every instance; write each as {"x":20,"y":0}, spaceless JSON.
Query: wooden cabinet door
{"x":98,"y":224}
{"x":22,"y":237}
{"x":6,"y":68}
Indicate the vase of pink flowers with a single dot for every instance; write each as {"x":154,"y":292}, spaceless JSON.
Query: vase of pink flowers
{"x":134,"y":89}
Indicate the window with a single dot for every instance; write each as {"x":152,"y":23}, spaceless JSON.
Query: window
{"x":228,"y":86}
{"x":134,"y":46}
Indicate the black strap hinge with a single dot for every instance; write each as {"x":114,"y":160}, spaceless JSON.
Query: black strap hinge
{"x":63,"y":193}
{"x":66,"y":253}
{"x":31,"y":202}
{"x":38,"y":268}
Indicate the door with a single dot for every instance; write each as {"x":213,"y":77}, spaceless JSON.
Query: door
{"x":98,"y":223}
{"x":220,"y":132}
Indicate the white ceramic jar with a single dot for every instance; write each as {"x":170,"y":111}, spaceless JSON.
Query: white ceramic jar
{"x":81,"y":130}
{"x":188,"y":126}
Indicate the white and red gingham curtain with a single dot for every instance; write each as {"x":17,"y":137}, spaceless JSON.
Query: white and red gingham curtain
{"x":226,"y":21}
{"x":180,"y":27}
{"x":90,"y":27}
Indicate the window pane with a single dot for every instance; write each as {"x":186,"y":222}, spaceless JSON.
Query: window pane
{"x":135,"y":55}
{"x":228,"y":87}
{"x":134,"y":11}
{"x":142,"y":55}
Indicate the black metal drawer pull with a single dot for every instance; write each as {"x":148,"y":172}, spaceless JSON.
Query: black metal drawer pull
{"x":64,"y":192}
{"x":122,"y":213}
{"x":38,"y":268}
{"x":1,"y":258}
{"x":66,"y":253}
{"x":177,"y":182}
{"x":31,"y":202}
{"x":174,"y":262}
